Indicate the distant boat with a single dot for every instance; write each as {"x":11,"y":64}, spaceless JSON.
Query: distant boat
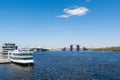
{"x":21,"y":57}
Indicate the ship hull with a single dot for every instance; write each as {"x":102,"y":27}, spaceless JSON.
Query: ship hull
{"x":22,"y":61}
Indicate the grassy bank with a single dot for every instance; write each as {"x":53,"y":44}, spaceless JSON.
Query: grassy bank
{"x":115,"y":48}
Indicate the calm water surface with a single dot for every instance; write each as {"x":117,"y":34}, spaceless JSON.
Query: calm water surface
{"x":66,"y":66}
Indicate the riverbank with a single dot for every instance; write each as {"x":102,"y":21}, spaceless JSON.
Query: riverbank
{"x":114,"y":48}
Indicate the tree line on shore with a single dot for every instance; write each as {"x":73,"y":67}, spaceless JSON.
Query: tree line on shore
{"x":114,"y":48}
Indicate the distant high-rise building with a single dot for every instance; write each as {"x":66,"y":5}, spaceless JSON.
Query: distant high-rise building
{"x":85,"y":49}
{"x":64,"y":49}
{"x":71,"y":47}
{"x":8,"y":47}
{"x":78,"y":47}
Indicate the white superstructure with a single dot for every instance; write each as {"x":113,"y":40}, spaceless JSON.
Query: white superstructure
{"x":22,"y":57}
{"x":6,"y":47}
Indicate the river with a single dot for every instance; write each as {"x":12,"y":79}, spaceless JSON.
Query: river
{"x":82,"y":65}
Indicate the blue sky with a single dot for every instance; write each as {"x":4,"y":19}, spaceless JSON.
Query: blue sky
{"x":59,"y":23}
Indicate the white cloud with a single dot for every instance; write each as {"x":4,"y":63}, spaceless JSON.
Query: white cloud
{"x":63,"y":16}
{"x":78,"y":11}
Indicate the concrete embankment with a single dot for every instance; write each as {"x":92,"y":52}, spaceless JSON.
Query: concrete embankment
{"x":4,"y":59}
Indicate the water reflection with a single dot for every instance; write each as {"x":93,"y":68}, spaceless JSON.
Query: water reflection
{"x":16,"y":72}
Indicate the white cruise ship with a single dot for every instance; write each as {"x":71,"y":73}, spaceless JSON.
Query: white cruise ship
{"x":21,"y":57}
